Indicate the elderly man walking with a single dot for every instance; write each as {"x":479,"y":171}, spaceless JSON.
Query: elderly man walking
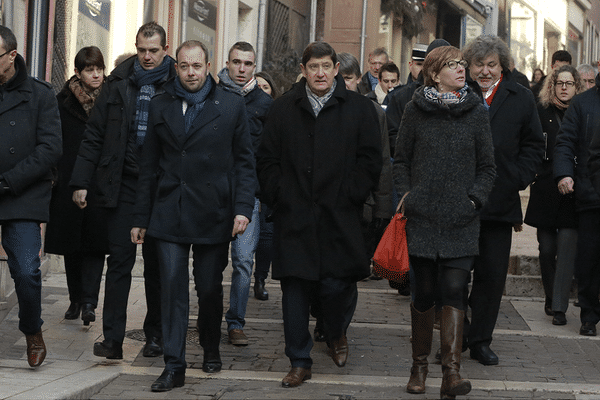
{"x":319,"y":159}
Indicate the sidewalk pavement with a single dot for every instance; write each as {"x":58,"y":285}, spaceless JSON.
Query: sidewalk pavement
{"x":537,"y":359}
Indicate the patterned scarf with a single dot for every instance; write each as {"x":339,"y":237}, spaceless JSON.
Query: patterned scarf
{"x":559,"y":103}
{"x":85,"y":98}
{"x":230,"y":85}
{"x":431,"y":94}
{"x":146,"y":81}
{"x":195,"y":101}
{"x":317,"y":102}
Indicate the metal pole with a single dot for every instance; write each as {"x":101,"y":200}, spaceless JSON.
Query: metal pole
{"x":363,"y":35}
{"x":185,"y":7}
{"x":260,"y":40}
{"x":313,"y":21}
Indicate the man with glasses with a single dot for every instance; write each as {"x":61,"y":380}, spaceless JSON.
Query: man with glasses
{"x":370,"y":80}
{"x":518,"y":150}
{"x":588,"y":75}
{"x":31,"y":143}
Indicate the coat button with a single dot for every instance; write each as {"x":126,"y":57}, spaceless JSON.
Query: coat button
{"x":183,"y":153}
{"x":310,"y":170}
{"x":183,"y":183}
{"x":216,"y":101}
{"x":208,"y":184}
{"x":12,"y":150}
{"x":12,"y":123}
{"x":215,"y":127}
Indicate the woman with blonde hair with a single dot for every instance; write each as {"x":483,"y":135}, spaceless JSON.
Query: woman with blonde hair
{"x":444,"y":160}
{"x":553,"y":213}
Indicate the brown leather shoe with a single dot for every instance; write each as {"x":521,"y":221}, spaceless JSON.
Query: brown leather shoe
{"x":237,"y":337}
{"x":296,"y":376}
{"x":36,"y":349}
{"x":338,"y":350}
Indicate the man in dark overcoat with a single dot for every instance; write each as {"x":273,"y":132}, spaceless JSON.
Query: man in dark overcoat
{"x":199,"y":156}
{"x":30,"y":145}
{"x":319,"y":159}
{"x":518,"y":151}
{"x":110,"y":151}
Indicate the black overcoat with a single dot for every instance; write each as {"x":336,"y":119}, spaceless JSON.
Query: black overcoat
{"x":316,"y":173}
{"x":205,"y":177}
{"x":518,"y":149}
{"x":445,"y":158}
{"x":547,"y":208}
{"x":69,"y":228}
{"x":30,"y":145}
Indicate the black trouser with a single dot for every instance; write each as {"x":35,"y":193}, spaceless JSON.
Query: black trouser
{"x":587,"y":265}
{"x":120,"y":262}
{"x":83,"y":270}
{"x":338,"y":302}
{"x":208,"y":265}
{"x":489,"y":276}
{"x":443,"y":281}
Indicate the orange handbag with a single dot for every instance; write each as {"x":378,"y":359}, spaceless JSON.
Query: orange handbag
{"x":390,"y":260}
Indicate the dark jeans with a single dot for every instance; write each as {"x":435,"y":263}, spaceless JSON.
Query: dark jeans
{"x":120,"y":262}
{"x":440,"y":281}
{"x":84,"y":274}
{"x":22,"y":241}
{"x":489,"y":276}
{"x":264,"y":251}
{"x":587,"y":267}
{"x":337,"y":298}
{"x":209,"y":262}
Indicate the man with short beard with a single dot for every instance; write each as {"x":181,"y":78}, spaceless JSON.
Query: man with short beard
{"x":518,"y":150}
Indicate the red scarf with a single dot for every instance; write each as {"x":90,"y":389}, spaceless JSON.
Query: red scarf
{"x":491,"y":96}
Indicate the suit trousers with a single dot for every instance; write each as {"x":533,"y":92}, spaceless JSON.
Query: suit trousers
{"x":83,"y":270}
{"x":587,"y":265}
{"x":489,"y":276}
{"x":209,"y":262}
{"x":337,"y":299}
{"x":120,"y":262}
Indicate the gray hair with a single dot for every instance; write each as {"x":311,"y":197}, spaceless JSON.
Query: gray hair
{"x":585,"y":68}
{"x":485,"y":45}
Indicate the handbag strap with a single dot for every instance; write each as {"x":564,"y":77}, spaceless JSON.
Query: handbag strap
{"x":400,"y":207}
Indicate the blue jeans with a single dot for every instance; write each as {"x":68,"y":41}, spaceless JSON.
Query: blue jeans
{"x":242,"y":260}
{"x":22,"y":241}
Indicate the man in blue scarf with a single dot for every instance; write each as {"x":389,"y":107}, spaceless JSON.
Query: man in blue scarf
{"x":238,"y":77}
{"x":198,"y":154}
{"x":114,"y":137}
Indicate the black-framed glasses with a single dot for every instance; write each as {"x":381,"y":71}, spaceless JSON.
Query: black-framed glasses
{"x":567,"y":83}
{"x":453,"y":64}
{"x":5,"y":53}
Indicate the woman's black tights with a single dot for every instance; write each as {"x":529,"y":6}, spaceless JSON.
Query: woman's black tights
{"x":440,"y":275}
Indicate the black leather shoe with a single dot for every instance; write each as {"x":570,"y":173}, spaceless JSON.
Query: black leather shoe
{"x":548,"y":310}
{"x":483,"y":354}
{"x":588,"y":329}
{"x":559,"y":318}
{"x":153,"y":347}
{"x":212,"y":362}
{"x":73,"y":311}
{"x":88,"y":313}
{"x":319,"y":334}
{"x":259,"y":290}
{"x":108,"y":349}
{"x":168,"y":380}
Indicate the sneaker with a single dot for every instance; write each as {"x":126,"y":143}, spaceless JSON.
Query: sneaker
{"x":237,"y":337}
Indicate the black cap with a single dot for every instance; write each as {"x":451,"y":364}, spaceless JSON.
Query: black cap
{"x":419,"y":52}
{"x":437,"y":43}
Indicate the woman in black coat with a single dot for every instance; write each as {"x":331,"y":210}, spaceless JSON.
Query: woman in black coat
{"x":552,"y":213}
{"x":444,"y":160}
{"x":79,"y":235}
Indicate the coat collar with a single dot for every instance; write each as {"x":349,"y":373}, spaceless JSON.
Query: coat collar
{"x":18,"y":89}
{"x":340,"y":94}
{"x":505,"y":88}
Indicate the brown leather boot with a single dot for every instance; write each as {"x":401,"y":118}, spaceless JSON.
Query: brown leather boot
{"x":36,"y":349}
{"x":451,"y":328}
{"x":422,"y":332}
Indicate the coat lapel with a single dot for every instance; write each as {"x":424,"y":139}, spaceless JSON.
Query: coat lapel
{"x":173,"y":117}
{"x":499,"y":98}
{"x":208,"y":114}
{"x":13,"y":99}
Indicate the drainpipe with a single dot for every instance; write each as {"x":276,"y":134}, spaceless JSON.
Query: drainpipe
{"x":260,"y":40}
{"x":185,"y":7}
{"x":37,"y":32}
{"x":313,"y":21}
{"x":363,"y":35}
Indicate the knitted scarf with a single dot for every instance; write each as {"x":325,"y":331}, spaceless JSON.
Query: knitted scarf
{"x":559,"y":103}
{"x":85,"y":97}
{"x":146,"y":81}
{"x":431,"y":94}
{"x":226,"y":81}
{"x":195,"y":101}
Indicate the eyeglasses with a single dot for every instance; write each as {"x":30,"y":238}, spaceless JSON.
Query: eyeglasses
{"x":452,"y":64}
{"x":5,"y":53}
{"x":567,"y":83}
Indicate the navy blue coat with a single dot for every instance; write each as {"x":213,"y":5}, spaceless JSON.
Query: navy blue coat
{"x":572,"y":147}
{"x":30,"y":145}
{"x":204,"y":178}
{"x":316,"y":173}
